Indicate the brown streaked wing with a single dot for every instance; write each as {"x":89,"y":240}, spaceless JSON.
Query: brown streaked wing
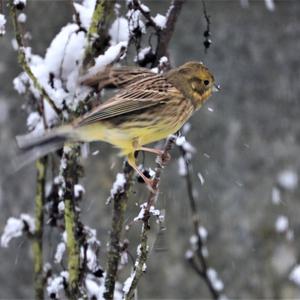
{"x":116,"y":76}
{"x":139,"y":95}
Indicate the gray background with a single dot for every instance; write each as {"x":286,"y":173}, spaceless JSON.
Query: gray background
{"x":251,"y":136}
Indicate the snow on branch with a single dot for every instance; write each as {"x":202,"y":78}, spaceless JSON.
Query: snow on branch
{"x":15,"y":227}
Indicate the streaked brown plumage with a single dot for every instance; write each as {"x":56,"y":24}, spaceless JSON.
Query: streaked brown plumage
{"x":148,"y":108}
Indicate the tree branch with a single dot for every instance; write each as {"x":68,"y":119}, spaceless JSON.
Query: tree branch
{"x":120,"y":199}
{"x":201,"y":267}
{"x":165,"y":35}
{"x":69,"y":172}
{"x":23,"y":61}
{"x":142,"y":253}
{"x":37,"y":245}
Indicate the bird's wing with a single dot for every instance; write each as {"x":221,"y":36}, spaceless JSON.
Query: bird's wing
{"x":142,"y":94}
{"x":116,"y":76}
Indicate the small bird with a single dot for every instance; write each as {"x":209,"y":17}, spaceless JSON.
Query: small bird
{"x":148,"y":108}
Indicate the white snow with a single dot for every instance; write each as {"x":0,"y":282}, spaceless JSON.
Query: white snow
{"x":61,"y":206}
{"x":281,"y":224}
{"x":182,"y":169}
{"x":182,"y":142}
{"x":19,"y":83}
{"x":128,"y":283}
{"x":142,"y":53}
{"x":193,"y":240}
{"x":160,"y":21}
{"x":203,"y":233}
{"x":295,"y":275}
{"x":141,"y":213}
{"x":2,"y":24}
{"x":78,"y":190}
{"x":85,"y":11}
{"x":134,"y":21}
{"x":14,"y":44}
{"x":288,"y":179}
{"x":55,"y":284}
{"x":270,"y":4}
{"x":62,"y":60}
{"x":189,"y":254}
{"x":206,"y":155}
{"x":94,"y":288}
{"x":145,"y":8}
{"x":60,"y":250}
{"x":32,"y":120}
{"x":22,"y":18}
{"x":113,"y":53}
{"x":29,"y":222}
{"x":154,"y":212}
{"x":119,"y":31}
{"x":201,"y":178}
{"x":13,"y":228}
{"x":124,"y":258}
{"x":186,"y":128}
{"x":16,"y":2}
{"x":118,"y":185}
{"x":214,"y":279}
{"x":96,"y":152}
{"x":91,"y":258}
{"x":276,"y":196}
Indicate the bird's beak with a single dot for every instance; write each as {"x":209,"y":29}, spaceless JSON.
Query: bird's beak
{"x":216,"y":88}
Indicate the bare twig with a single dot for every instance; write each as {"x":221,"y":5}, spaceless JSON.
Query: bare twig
{"x":206,"y":33}
{"x":120,"y":199}
{"x":165,"y":35}
{"x":140,"y":263}
{"x":23,"y":60}
{"x":146,"y":15}
{"x":197,"y":260}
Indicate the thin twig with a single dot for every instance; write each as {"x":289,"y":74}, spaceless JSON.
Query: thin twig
{"x":201,"y":267}
{"x":206,"y":33}
{"x":119,"y":199}
{"x":23,"y":60}
{"x":37,"y":244}
{"x":140,"y":263}
{"x":165,"y":35}
{"x":146,"y":15}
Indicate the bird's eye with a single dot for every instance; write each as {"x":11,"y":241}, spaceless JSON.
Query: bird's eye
{"x":206,"y":82}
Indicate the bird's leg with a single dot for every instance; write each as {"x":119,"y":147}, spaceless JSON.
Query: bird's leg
{"x":152,"y":150}
{"x":131,"y":162}
{"x":157,"y":152}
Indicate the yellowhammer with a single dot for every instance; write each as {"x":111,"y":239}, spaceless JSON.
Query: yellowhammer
{"x":148,"y":108}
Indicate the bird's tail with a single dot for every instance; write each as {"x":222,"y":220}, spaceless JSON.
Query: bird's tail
{"x":35,"y":146}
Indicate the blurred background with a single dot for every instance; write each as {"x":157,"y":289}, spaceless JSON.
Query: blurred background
{"x":248,"y":144}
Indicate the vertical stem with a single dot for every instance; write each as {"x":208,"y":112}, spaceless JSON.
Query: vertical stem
{"x":120,"y":200}
{"x":37,"y":245}
{"x":72,"y":247}
{"x":70,"y":175}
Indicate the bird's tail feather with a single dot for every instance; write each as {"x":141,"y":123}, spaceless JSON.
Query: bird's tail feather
{"x":34,"y":147}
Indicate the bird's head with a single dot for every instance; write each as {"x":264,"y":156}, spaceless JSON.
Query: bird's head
{"x":194,"y":80}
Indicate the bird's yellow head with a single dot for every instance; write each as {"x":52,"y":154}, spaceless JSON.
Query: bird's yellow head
{"x":194,"y":80}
